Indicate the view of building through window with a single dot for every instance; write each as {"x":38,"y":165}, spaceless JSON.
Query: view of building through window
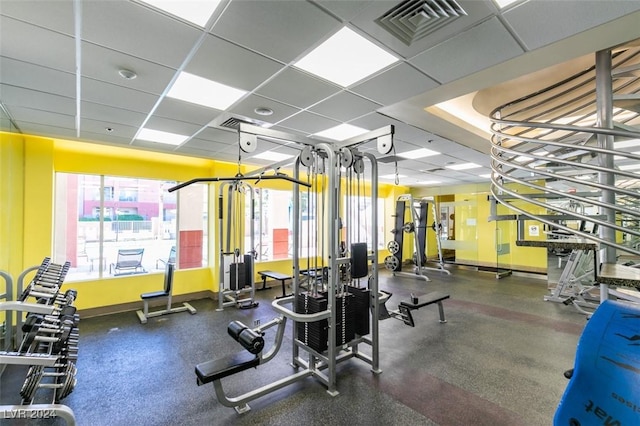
{"x":109,"y":226}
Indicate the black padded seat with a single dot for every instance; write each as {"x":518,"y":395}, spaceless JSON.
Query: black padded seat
{"x":218,"y":368}
{"x":154,"y":294}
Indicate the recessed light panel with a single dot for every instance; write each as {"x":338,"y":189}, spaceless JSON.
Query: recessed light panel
{"x":346,"y":57}
{"x":428,"y":182}
{"x":196,"y":11}
{"x":417,"y":153}
{"x":626,"y":144}
{"x":273,"y":156}
{"x":161,"y":137}
{"x":342,"y":132}
{"x":201,"y":91}
{"x":486,"y":176}
{"x":463,"y":166}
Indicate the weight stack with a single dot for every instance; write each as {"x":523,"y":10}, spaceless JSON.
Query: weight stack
{"x":313,"y":334}
{"x":361,"y":302}
{"x":345,"y":321}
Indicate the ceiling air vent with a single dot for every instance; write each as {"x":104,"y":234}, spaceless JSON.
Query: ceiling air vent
{"x":413,"y":20}
{"x":233,"y":123}
{"x":438,"y":169}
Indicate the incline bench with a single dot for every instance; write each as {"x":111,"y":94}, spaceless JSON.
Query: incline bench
{"x":276,"y":276}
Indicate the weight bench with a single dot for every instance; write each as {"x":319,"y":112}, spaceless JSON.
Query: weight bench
{"x":144,"y":314}
{"x":276,"y":276}
{"x":404,"y":309}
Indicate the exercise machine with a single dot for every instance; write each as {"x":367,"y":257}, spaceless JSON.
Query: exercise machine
{"x":331,"y":324}
{"x":418,"y":210}
{"x":166,"y":293}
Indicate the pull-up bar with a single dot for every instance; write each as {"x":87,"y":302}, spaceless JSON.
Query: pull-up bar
{"x":239,"y":178}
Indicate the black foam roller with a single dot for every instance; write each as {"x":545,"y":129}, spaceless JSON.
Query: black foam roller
{"x":235,"y":328}
{"x":251,"y":341}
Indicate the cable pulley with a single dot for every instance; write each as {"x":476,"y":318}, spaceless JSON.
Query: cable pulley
{"x":306,"y":156}
{"x":346,"y":157}
{"x":358,"y":165}
{"x":248,"y":142}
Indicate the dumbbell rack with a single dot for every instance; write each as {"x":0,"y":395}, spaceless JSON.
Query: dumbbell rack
{"x":49,"y":345}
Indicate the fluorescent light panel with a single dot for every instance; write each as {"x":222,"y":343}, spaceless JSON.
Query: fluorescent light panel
{"x":486,"y":176}
{"x":346,"y":57}
{"x":273,"y":156}
{"x":428,"y":182}
{"x":464,"y":166}
{"x":195,"y":11}
{"x":201,"y":91}
{"x":418,"y":153}
{"x":342,"y":132}
{"x":161,"y":137}
{"x":504,"y":3}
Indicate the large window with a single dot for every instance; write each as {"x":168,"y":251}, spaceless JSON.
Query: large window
{"x":360,"y":226}
{"x":109,"y":226}
{"x":273,"y":224}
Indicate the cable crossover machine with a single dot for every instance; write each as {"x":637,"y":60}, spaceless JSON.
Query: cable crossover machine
{"x":335,"y":302}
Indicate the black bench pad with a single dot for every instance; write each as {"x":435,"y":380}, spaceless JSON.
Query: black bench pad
{"x":427,"y":299}
{"x":218,"y":368}
{"x":154,"y":294}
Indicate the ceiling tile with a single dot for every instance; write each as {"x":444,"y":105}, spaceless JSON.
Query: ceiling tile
{"x":55,"y":15}
{"x":138,"y":31}
{"x":185,"y":111}
{"x":116,"y":96}
{"x":100,"y":63}
{"x":395,"y":84}
{"x":278,"y":29}
{"x":110,"y":115}
{"x":247,"y":106}
{"x":541,"y":23}
{"x":307,"y":122}
{"x":29,"y":128}
{"x":18,"y":96}
{"x":297,"y":88}
{"x":204,"y":145}
{"x":97,"y":129}
{"x":34,"y":77}
{"x":173,"y":126}
{"x":224,"y":137}
{"x":36,"y":45}
{"x":47,"y":118}
{"x":345,"y":106}
{"x":219,"y":60}
{"x":464,"y":54}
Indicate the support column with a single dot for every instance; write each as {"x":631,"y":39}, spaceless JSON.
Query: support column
{"x":604,"y":104}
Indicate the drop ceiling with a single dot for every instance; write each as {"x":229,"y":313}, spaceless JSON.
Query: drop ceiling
{"x":59,"y":63}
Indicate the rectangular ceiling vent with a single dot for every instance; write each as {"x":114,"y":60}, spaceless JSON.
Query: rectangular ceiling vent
{"x":413,"y":20}
{"x":438,"y":169}
{"x":232,"y":122}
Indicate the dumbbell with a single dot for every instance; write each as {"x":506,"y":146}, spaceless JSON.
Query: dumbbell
{"x":64,"y":381}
